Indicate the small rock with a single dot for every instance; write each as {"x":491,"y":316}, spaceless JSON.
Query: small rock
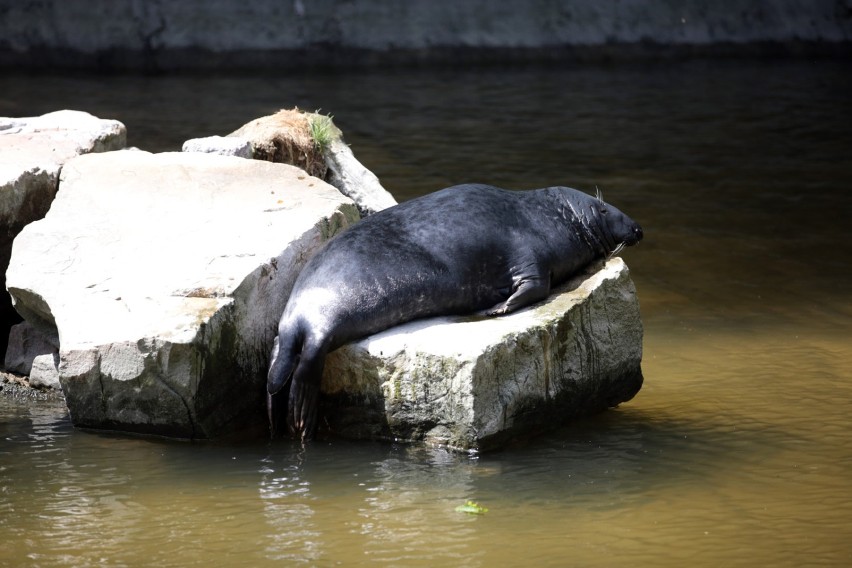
{"x":25,"y":344}
{"x":45,"y":372}
{"x":222,"y":145}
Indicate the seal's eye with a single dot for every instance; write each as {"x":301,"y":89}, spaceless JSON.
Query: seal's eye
{"x":603,"y":210}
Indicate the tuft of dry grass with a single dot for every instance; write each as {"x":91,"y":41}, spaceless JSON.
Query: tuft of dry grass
{"x":288,"y":137}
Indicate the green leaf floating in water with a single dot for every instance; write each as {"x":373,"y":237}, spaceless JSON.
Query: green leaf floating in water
{"x":471,"y":508}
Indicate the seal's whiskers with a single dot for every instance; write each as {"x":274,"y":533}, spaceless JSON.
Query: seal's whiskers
{"x":617,"y":249}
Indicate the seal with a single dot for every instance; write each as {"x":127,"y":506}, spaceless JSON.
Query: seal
{"x":465,"y":249}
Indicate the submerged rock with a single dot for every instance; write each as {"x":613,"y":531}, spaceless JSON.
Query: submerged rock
{"x":472,"y":383}
{"x":32,"y":152}
{"x":313,"y":143}
{"x":165,"y":276}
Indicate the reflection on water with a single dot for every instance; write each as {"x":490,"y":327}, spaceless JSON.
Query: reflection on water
{"x":286,"y":507}
{"x":737,"y":450}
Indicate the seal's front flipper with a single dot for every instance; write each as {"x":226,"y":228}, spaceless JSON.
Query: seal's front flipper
{"x":528,"y":291}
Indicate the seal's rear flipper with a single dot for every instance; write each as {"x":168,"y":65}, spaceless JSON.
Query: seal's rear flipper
{"x":304,"y":389}
{"x":282,"y":363}
{"x":302,"y":409}
{"x":276,"y":408}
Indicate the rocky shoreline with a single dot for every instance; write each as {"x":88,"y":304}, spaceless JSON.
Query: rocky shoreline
{"x":19,"y":387}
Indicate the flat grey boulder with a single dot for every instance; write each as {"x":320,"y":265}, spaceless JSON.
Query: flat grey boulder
{"x":472,"y":383}
{"x":165,"y":276}
{"x":32,"y":152}
{"x":313,"y":143}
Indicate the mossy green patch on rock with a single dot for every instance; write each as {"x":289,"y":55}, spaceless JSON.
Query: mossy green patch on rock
{"x":330,"y":226}
{"x":322,"y":130}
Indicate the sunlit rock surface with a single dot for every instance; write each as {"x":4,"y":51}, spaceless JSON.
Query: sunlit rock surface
{"x":473,"y":383}
{"x":222,"y":145}
{"x":354,"y":180}
{"x":165,"y":276}
{"x":32,"y":152}
{"x":44,"y":371}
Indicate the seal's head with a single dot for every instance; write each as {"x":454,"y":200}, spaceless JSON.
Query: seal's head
{"x":610,"y":228}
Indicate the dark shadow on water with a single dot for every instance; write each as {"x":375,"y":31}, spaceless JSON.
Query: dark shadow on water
{"x":627,"y":452}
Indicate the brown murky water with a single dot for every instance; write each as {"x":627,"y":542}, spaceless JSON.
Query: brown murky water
{"x":736,"y":452}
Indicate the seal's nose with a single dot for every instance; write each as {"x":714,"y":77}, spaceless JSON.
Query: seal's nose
{"x":637,"y":232}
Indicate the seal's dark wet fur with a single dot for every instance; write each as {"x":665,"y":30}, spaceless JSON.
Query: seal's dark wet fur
{"x":464,"y":249}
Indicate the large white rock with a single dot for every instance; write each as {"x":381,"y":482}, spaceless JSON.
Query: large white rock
{"x":165,"y":276}
{"x":32,"y":152}
{"x":471,"y":383}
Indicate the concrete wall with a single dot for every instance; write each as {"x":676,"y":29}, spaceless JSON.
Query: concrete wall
{"x":232,"y":32}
